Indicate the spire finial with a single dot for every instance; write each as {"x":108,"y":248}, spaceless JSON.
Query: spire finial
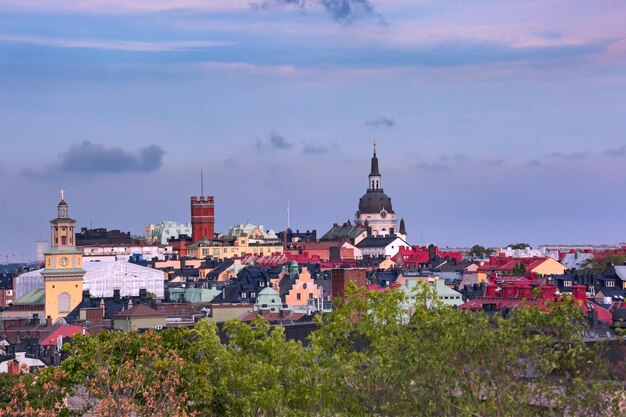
{"x":62,"y":194}
{"x":374,"y":144}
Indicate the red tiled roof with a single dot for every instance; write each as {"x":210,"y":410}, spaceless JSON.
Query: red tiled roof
{"x":64,"y":331}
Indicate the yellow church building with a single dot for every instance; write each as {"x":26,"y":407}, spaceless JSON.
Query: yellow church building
{"x":63,"y":273}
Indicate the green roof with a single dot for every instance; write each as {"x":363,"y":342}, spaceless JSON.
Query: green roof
{"x":344,"y":231}
{"x":62,"y":220}
{"x":68,"y":271}
{"x":34,"y":298}
{"x":56,"y":251}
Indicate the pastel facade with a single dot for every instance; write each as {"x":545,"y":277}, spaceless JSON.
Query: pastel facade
{"x":229,"y":248}
{"x":302,"y":291}
{"x":268,"y":299}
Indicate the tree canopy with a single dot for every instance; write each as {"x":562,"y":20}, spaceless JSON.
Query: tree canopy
{"x":374,"y":355}
{"x":480,"y":251}
{"x":597,"y":266}
{"x":519,"y":245}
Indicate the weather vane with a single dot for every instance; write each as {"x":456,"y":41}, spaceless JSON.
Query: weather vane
{"x":374,"y":143}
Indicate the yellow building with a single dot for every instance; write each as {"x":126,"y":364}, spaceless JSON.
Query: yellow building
{"x":547,"y":266}
{"x":63,"y":273}
{"x":231,"y":247}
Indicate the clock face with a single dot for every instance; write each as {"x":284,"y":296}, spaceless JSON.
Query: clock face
{"x":64,"y":261}
{"x":383,"y":214}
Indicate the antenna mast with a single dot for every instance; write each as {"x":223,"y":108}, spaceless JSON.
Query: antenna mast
{"x":201,"y":183}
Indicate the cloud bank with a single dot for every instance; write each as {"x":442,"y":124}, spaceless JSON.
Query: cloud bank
{"x":345,"y":11}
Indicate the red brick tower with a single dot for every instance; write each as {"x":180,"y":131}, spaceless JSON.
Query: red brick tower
{"x":202,"y":218}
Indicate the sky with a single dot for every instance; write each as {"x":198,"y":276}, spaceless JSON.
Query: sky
{"x":495,"y":121}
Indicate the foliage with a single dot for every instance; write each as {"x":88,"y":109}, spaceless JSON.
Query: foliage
{"x":480,"y":251}
{"x":21,"y":395}
{"x":370,"y":357}
{"x":519,"y":270}
{"x":519,"y":245}
{"x":597,"y":266}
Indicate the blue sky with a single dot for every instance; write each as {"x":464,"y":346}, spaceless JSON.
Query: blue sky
{"x":496,"y":121}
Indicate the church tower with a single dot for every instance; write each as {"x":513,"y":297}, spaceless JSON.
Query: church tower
{"x":375,"y":207}
{"x":63,"y":273}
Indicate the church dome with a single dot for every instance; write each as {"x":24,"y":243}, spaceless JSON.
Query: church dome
{"x":373,"y":202}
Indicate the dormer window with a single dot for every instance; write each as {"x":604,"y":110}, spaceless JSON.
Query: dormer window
{"x":567,"y":283}
{"x":610,"y":284}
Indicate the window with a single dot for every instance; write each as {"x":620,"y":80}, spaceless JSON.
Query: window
{"x":252,"y":294}
{"x":243,"y":295}
{"x":567,"y":283}
{"x":298,"y":296}
{"x":609,"y":283}
{"x":273,"y":300}
{"x":9,"y":293}
{"x":304,"y":286}
{"x":63,"y":301}
{"x":310,"y":296}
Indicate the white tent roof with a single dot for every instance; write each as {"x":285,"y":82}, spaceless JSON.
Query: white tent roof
{"x":102,"y":278}
{"x":129,"y":278}
{"x":28,"y":281}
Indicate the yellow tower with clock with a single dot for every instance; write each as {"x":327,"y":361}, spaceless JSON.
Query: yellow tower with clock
{"x":63,"y":273}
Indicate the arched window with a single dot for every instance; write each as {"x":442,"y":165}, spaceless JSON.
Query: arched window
{"x":64,"y":302}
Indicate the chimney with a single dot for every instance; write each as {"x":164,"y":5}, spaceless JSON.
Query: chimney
{"x":509,"y":291}
{"x":579,"y":292}
{"x":491,"y":290}
{"x":85,"y":295}
{"x":548,"y":292}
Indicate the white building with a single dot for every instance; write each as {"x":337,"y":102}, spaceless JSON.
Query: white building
{"x":162,"y":232}
{"x":380,"y":247}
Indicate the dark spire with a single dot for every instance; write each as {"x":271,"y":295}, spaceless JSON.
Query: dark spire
{"x":402,"y":227}
{"x":374,"y":170}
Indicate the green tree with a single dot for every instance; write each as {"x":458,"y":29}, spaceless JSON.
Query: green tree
{"x":520,"y":245}
{"x":447,"y":362}
{"x":480,"y":251}
{"x":597,"y":266}
{"x":519,"y":270}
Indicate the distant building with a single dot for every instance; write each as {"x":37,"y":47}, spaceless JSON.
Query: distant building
{"x":202,"y":218}
{"x":255,"y":233}
{"x":41,"y":247}
{"x":102,"y":236}
{"x":380,"y":247}
{"x":375,"y":208}
{"x":63,"y":273}
{"x":7,"y":292}
{"x":139,"y":317}
{"x":233,"y":247}
{"x":161,"y":233}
